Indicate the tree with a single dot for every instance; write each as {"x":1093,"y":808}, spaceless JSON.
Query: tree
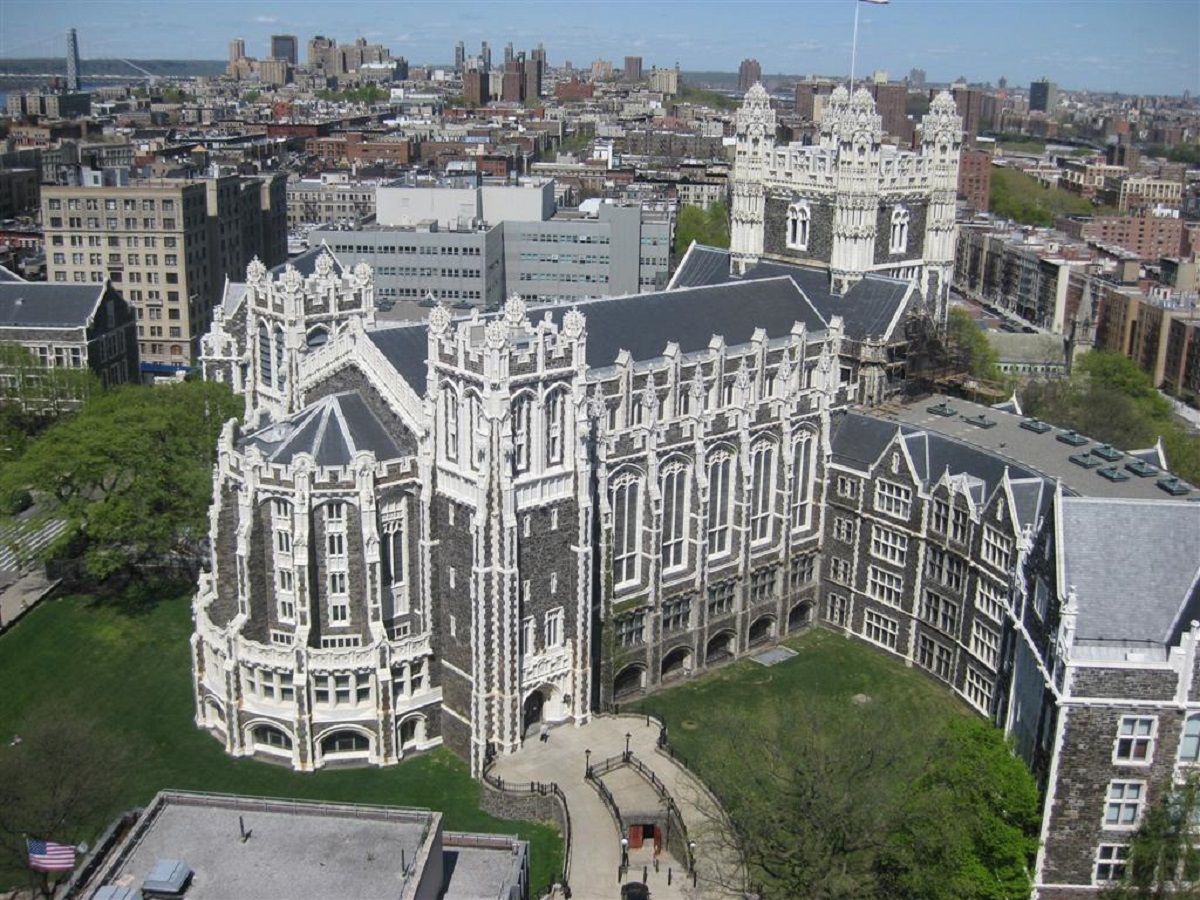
{"x":705,"y":226}
{"x":131,"y":475}
{"x":1163,"y":861}
{"x":968,"y":343}
{"x":59,"y":781}
{"x":968,"y":829}
{"x":810,"y":806}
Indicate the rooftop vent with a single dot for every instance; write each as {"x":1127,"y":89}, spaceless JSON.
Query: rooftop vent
{"x":1086,"y":460}
{"x":1141,"y":468}
{"x":1107,"y":452}
{"x":1112,"y":473}
{"x":167,"y":880}
{"x":1037,"y":426}
{"x":1173,"y":485}
{"x":942,"y":409}
{"x":1074,"y":438}
{"x":980,"y":421}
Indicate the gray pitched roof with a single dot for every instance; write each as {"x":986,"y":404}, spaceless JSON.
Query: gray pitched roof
{"x":10,"y":276}
{"x":306,"y":262}
{"x":406,"y":348}
{"x":48,"y":305}
{"x":1133,"y":565}
{"x":868,"y":310}
{"x":332,"y":430}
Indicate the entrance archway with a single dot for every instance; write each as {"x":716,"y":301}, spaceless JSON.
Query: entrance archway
{"x":761,"y":630}
{"x":533,"y":711}
{"x":677,"y":663}
{"x":720,"y":648}
{"x":800,"y":616}
{"x":629,"y":680}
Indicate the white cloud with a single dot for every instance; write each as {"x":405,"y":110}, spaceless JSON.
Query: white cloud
{"x":267,"y":20}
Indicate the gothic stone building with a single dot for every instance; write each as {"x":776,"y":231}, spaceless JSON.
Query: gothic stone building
{"x":446,"y":532}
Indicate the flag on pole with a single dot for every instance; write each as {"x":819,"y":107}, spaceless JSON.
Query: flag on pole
{"x":48,"y":856}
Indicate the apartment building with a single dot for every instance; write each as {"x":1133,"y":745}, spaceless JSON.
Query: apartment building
{"x":329,"y":199}
{"x":1151,"y":236}
{"x":167,"y":244}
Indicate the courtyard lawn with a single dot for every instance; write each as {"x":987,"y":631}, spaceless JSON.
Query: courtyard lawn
{"x":828,"y":667}
{"x":131,"y":674}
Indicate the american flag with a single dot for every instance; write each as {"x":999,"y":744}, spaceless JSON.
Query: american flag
{"x":50,"y":857}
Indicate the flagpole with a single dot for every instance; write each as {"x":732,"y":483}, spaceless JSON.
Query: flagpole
{"x":854,"y":48}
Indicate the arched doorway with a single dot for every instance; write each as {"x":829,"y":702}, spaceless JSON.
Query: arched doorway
{"x":677,"y":663}
{"x":533,"y":710}
{"x":761,"y":630}
{"x":412,"y":732}
{"x":800,"y":616}
{"x":719,"y":649}
{"x":630,"y":680}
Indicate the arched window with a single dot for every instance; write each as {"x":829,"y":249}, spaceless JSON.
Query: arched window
{"x":798,"y":220}
{"x":720,"y":471}
{"x":627,"y":508}
{"x":266,"y":357}
{"x":318,"y":337}
{"x":474,"y":416}
{"x":270,"y":738}
{"x":674,"y":517}
{"x":345,"y":742}
{"x":1189,"y":742}
{"x":280,"y":364}
{"x":522,"y":432}
{"x":412,"y":732}
{"x":762,"y":492}
{"x":802,"y":460}
{"x":450,"y":423}
{"x":556,"y":412}
{"x":899,"y":241}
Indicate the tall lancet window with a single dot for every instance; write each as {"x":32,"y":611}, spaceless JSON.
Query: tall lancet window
{"x":522,"y":433}
{"x":797,"y":226}
{"x":266,"y":358}
{"x":899,"y":242}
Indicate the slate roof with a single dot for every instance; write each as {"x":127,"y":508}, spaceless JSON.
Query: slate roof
{"x":406,"y":348}
{"x":7,"y":275}
{"x":859,"y":440}
{"x":868,"y":310}
{"x":48,"y":305}
{"x":331,"y":429}
{"x":643,"y":324}
{"x":1134,"y":565}
{"x":306,"y":262}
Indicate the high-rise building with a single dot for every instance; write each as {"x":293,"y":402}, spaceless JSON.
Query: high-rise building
{"x":237,"y":50}
{"x":535,"y":70}
{"x":512,"y":87}
{"x":748,"y":73}
{"x":916,"y":78}
{"x":476,"y":87}
{"x":633,"y":68}
{"x":167,"y":245}
{"x":485,"y":55}
{"x":72,"y":62}
{"x":509,"y":55}
{"x":810,"y":98}
{"x":320,"y":49}
{"x":969,"y":103}
{"x":285,"y":46}
{"x":891,"y":102}
{"x":274,"y":72}
{"x":1043,"y":96}
{"x":975,"y":178}
{"x":460,"y":56}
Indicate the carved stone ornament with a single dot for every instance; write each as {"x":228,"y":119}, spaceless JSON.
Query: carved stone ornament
{"x":363,"y":273}
{"x":439,"y":320}
{"x":324,"y":264}
{"x":497,"y":334}
{"x":573,"y":324}
{"x":742,"y":379}
{"x":697,"y":388}
{"x":514,"y":311}
{"x":597,"y":409}
{"x":649,"y":397}
{"x":256,"y":272}
{"x":292,"y":280}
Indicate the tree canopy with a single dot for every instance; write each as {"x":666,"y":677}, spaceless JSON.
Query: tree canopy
{"x":131,"y":475}
{"x":705,"y":226}
{"x":1110,"y":399}
{"x":1163,"y":860}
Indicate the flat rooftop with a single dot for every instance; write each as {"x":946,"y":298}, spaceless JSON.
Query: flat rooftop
{"x":295,"y":850}
{"x":1040,"y":450}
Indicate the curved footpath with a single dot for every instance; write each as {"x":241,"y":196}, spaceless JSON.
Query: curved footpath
{"x":596,"y":847}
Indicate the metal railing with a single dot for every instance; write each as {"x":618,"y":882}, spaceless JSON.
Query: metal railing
{"x":540,"y":789}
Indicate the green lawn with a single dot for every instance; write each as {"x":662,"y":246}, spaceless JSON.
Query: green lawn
{"x":131,"y":673}
{"x":828,"y":667}
{"x":1022,"y":198}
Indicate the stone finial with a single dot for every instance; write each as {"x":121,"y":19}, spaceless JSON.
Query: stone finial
{"x":256,"y":272}
{"x":292,"y":280}
{"x":324,"y":264}
{"x":439,"y":320}
{"x":573,"y":323}
{"x":497,"y":334}
{"x":514,"y":311}
{"x":363,"y":273}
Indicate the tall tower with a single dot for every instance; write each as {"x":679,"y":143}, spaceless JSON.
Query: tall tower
{"x":460,"y":56}
{"x":485,"y":56}
{"x":755,"y":141}
{"x":852,"y":125}
{"x":72,"y":61}
{"x":941,"y":148}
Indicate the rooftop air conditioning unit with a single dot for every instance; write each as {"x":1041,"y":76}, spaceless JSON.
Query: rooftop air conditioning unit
{"x":168,"y":880}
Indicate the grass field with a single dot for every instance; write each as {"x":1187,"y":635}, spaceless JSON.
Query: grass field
{"x":131,"y":674}
{"x":1022,"y":198}
{"x":828,"y":667}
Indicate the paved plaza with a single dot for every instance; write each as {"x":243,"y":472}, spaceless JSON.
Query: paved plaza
{"x":596,"y":844}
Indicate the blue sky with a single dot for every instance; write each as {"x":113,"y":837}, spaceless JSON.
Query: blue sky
{"x":1135,"y":46}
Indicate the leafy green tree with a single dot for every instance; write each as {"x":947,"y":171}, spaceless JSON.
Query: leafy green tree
{"x":968,"y":344}
{"x":705,"y":226}
{"x":969,"y":828}
{"x":131,"y":475}
{"x":1163,"y":859}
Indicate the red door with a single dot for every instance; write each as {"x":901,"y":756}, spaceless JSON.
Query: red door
{"x":635,"y":837}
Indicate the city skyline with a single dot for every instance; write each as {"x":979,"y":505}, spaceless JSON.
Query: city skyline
{"x":1081,"y":44}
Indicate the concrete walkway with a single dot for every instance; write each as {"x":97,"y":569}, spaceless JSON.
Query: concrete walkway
{"x":21,"y":595}
{"x":596,"y":847}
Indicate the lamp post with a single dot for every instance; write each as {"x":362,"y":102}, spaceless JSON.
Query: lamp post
{"x":587,"y":755}
{"x":627,"y":738}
